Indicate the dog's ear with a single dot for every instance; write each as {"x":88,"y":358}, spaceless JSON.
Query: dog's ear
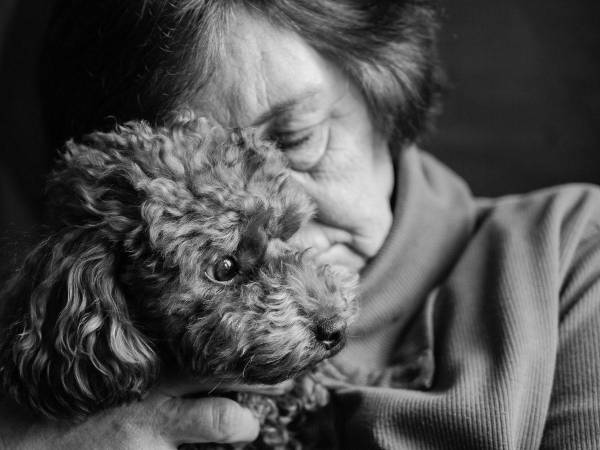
{"x":69,"y":347}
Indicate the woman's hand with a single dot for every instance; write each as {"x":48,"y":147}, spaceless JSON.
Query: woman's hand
{"x":161,"y":421}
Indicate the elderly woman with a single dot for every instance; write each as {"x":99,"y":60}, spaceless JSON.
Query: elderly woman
{"x":479,"y":324}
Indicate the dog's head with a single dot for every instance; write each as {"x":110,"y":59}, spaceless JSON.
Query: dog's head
{"x":170,"y":245}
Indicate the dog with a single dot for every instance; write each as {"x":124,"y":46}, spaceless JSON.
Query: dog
{"x":169,"y":248}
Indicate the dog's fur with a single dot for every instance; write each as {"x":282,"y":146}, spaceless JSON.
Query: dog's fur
{"x":131,"y":278}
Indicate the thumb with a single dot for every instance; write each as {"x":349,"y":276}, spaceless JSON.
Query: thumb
{"x":201,"y":420}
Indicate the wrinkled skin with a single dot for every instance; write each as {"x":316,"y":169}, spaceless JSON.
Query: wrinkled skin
{"x":274,"y":81}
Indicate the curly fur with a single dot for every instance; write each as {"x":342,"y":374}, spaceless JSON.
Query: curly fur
{"x":125,"y":283}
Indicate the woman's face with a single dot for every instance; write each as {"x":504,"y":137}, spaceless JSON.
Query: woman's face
{"x":272,"y":80}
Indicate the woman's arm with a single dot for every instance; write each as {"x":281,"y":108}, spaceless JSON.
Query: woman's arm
{"x":573,"y":419}
{"x":516,"y":339}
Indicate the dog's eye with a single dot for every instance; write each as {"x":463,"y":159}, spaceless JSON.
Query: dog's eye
{"x":224,"y":270}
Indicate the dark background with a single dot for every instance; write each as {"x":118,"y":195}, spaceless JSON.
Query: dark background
{"x":522,"y":111}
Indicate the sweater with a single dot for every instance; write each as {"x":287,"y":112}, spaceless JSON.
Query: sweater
{"x":480,"y":321}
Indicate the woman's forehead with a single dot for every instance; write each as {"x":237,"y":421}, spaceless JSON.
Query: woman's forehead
{"x":266,"y":72}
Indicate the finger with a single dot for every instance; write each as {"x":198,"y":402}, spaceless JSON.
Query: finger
{"x":203,"y":420}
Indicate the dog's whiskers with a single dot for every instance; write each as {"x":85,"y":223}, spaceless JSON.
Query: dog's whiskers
{"x":215,"y":388}
{"x":243,"y":374}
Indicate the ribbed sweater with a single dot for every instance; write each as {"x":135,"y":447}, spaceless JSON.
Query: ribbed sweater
{"x":480,"y":321}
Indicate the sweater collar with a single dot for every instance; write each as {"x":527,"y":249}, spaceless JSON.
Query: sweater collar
{"x":434,"y":215}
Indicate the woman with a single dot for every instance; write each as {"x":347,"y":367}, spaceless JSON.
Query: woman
{"x":479,"y":319}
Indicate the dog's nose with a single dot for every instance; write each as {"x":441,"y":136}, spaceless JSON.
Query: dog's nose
{"x":331,"y":333}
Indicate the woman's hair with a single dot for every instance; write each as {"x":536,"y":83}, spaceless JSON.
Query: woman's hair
{"x":113,"y":60}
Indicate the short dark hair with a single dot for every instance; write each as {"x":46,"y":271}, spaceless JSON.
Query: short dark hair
{"x":112,"y":60}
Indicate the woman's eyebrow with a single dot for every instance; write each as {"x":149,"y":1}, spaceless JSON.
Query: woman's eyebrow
{"x":282,"y":107}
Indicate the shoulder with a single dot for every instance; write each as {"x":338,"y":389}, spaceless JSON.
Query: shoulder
{"x":571,"y":206}
{"x":556,"y":229}
{"x":566,"y":214}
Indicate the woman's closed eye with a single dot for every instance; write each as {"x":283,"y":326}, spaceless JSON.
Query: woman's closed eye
{"x":303,"y":148}
{"x":292,"y":140}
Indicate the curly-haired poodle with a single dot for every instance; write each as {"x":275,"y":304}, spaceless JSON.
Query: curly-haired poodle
{"x":169,"y":248}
